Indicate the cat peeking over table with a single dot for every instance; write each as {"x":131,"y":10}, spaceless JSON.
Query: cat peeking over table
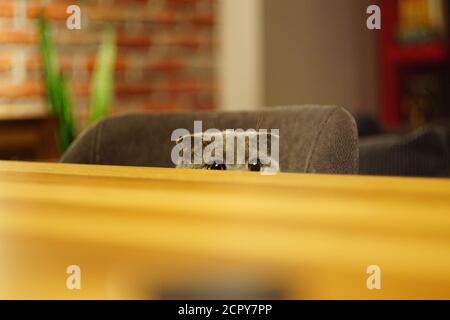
{"x":245,"y":150}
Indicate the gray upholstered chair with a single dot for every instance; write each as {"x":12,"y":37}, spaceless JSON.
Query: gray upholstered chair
{"x":313,"y":139}
{"x":424,"y":152}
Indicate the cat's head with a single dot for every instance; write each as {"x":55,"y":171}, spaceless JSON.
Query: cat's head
{"x":230,"y":150}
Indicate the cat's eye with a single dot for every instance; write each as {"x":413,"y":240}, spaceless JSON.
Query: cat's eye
{"x":217,"y":166}
{"x":254,"y":165}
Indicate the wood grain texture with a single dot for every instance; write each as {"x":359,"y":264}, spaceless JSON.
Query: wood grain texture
{"x":135,"y":230}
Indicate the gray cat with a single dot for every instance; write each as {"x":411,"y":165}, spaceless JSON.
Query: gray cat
{"x":230,"y":150}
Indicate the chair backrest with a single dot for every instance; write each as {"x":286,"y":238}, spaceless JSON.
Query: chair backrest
{"x":313,"y":139}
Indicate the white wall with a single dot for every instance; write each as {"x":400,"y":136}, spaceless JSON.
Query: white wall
{"x":320,"y":51}
{"x":274,"y":52}
{"x":240,"y":59}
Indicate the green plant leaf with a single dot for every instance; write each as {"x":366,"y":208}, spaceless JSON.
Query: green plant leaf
{"x":57,"y":91}
{"x":102,"y":84}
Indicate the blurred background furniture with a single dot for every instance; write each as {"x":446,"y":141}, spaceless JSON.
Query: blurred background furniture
{"x":27,"y":136}
{"x":414,"y":62}
{"x":313,"y":139}
{"x":423,"y":152}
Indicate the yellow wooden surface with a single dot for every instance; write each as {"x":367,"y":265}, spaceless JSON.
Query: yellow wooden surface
{"x":135,"y":232}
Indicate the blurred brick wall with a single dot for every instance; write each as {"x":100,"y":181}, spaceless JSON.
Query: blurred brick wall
{"x":165,"y":58}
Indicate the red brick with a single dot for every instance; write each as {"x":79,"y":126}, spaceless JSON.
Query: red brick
{"x":34,"y":88}
{"x":26,"y":89}
{"x":180,"y":88}
{"x":80,"y":89}
{"x":160,"y":106}
{"x":51,"y":11}
{"x":168,"y":18}
{"x":99,"y":13}
{"x":5,"y":63}
{"x":17,"y":36}
{"x":121,"y":63}
{"x":30,"y":37}
{"x":107,"y":15}
{"x":182,"y":2}
{"x":127,"y":40}
{"x":190,"y":42}
{"x":203,"y":20}
{"x":6,"y":8}
{"x":130,"y":2}
{"x":35,"y":63}
{"x":165,"y":65}
{"x":133,"y":89}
